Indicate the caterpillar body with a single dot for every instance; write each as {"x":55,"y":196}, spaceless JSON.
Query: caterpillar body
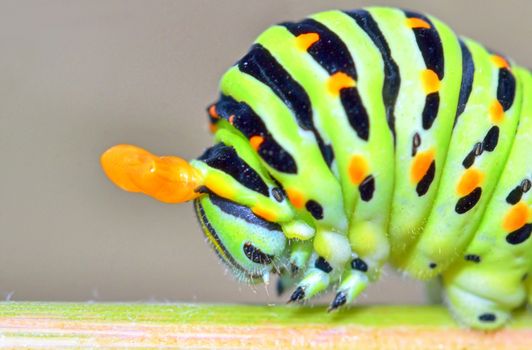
{"x":353,"y":139}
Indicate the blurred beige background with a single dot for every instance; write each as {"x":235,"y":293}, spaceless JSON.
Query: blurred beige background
{"x":79,"y":76}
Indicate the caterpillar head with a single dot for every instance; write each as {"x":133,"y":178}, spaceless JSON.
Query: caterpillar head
{"x":247,"y":243}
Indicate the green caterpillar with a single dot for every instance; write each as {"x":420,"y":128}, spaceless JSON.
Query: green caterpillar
{"x":353,"y":139}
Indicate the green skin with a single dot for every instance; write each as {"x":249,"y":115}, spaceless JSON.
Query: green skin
{"x":421,"y":235}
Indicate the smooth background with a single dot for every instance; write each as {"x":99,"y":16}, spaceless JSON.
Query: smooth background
{"x":79,"y":76}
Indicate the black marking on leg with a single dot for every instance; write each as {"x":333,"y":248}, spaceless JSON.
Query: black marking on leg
{"x":491,"y":139}
{"x":506,"y":88}
{"x":467,"y":202}
{"x":473,"y":258}
{"x":430,"y":111}
{"x":256,"y":255}
{"x":425,"y":182}
{"x":366,"y":188}
{"x":323,"y":265}
{"x":487,"y":317}
{"x":515,"y":195}
{"x":416,"y":142}
{"x":433,"y":265}
{"x":297,"y":295}
{"x":315,"y":209}
{"x":339,"y":300}
{"x":392,"y":78}
{"x":468,"y":72}
{"x":520,"y":235}
{"x":359,"y":265}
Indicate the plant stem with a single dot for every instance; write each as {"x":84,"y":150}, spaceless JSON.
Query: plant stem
{"x":53,"y":325}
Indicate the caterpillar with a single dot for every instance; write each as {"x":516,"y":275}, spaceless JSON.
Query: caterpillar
{"x":353,"y":139}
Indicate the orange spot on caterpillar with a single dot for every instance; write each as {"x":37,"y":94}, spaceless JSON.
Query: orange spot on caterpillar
{"x":430,"y":80}
{"x":212,"y":112}
{"x":421,"y":164}
{"x":471,"y":179}
{"x":296,"y":198}
{"x":304,"y":41}
{"x":256,"y":141}
{"x":358,"y":169}
{"x":500,"y":62}
{"x":339,"y":81}
{"x":231,"y":119}
{"x":517,"y":216}
{"x":266,"y":214}
{"x":496,"y":112}
{"x":213,"y":128}
{"x":417,"y":23}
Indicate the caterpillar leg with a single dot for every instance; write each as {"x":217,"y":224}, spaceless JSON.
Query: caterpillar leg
{"x":484,"y":299}
{"x":299,"y":255}
{"x":354,"y":281}
{"x":331,"y":252}
{"x":317,"y":279}
{"x":370,"y":243}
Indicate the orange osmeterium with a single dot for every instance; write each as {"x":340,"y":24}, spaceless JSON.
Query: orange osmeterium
{"x":168,"y":179}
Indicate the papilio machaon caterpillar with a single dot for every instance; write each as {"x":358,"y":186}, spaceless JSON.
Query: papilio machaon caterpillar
{"x":356,"y":138}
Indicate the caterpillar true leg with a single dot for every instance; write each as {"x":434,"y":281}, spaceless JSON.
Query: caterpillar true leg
{"x":354,"y":281}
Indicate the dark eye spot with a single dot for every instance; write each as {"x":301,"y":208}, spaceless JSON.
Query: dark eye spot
{"x":256,"y":255}
{"x":277,"y":193}
{"x":433,"y":265}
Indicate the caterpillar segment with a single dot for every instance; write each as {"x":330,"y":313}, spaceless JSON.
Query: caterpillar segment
{"x":489,"y":278}
{"x":356,"y":138}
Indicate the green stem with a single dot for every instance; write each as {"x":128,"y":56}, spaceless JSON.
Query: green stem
{"x":244,"y":326}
